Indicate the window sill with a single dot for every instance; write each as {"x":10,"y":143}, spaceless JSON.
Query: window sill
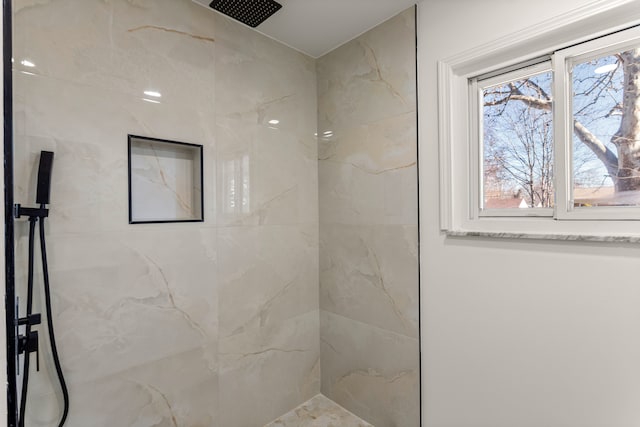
{"x":543,"y":236}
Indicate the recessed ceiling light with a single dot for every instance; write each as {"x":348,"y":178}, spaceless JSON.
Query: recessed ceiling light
{"x":27,"y":63}
{"x":151,"y":101}
{"x":153,"y":93}
{"x":605,"y":68}
{"x":274,"y":122}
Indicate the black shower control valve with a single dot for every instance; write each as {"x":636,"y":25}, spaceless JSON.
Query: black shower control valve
{"x":20,"y":211}
{"x":28,"y":345}
{"x":34,"y":319}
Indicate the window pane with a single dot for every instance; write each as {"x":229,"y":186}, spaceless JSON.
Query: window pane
{"x":518,"y":144}
{"x":606,"y":137}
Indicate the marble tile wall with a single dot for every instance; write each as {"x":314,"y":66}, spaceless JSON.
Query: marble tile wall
{"x":217,"y":323}
{"x":182,"y":325}
{"x":369,"y":226}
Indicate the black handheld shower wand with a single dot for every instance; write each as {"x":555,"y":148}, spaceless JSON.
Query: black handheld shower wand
{"x":45,"y":168}
{"x":28,"y":343}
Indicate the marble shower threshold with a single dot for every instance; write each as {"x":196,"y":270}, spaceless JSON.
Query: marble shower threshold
{"x":319,"y":411}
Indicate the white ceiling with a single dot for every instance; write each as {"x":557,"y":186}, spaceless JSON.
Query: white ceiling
{"x":316,"y":27}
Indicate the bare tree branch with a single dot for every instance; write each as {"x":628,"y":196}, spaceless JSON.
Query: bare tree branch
{"x":602,"y":152}
{"x":517,"y":95}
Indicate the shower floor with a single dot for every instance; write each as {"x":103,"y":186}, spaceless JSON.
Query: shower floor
{"x":319,"y":412}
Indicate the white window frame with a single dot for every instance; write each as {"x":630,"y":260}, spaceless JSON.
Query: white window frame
{"x":476,"y":89}
{"x":459,"y":169}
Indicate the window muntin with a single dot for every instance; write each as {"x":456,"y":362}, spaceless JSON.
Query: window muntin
{"x":516,"y":139}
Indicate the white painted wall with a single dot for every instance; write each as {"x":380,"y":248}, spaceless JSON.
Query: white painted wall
{"x":517,"y":333}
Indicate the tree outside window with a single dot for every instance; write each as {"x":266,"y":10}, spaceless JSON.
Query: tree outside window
{"x":517,"y":123}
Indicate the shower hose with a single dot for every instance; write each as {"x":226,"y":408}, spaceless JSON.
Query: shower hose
{"x":47,"y":301}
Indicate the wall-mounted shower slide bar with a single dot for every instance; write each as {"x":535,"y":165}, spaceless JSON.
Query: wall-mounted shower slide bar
{"x":29,"y":341}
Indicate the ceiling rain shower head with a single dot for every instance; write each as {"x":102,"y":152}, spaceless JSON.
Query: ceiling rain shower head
{"x":249,"y":12}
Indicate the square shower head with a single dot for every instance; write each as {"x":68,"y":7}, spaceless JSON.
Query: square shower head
{"x":249,"y":12}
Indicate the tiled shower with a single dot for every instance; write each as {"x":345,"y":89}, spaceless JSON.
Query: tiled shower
{"x":303,"y":276}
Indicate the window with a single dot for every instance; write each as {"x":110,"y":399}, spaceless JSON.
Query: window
{"x":515,"y":138}
{"x":602,"y":114}
{"x":550,"y":142}
{"x":515,"y":132}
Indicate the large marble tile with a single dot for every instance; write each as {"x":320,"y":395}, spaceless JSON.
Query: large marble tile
{"x":368,"y":203}
{"x":89,"y":181}
{"x":370,"y":274}
{"x":84,"y":176}
{"x":265,"y":372}
{"x":258,"y":89}
{"x":122,"y":300}
{"x":349,"y":194}
{"x":369,"y":78}
{"x":265,"y":175}
{"x":267,"y":275}
{"x":319,"y":412}
{"x":382,"y":146}
{"x":178,"y":391}
{"x":72,"y":111}
{"x":123,"y":46}
{"x":247,"y":43}
{"x":265,"y":121}
{"x":264,"y":81}
{"x":371,"y":372}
